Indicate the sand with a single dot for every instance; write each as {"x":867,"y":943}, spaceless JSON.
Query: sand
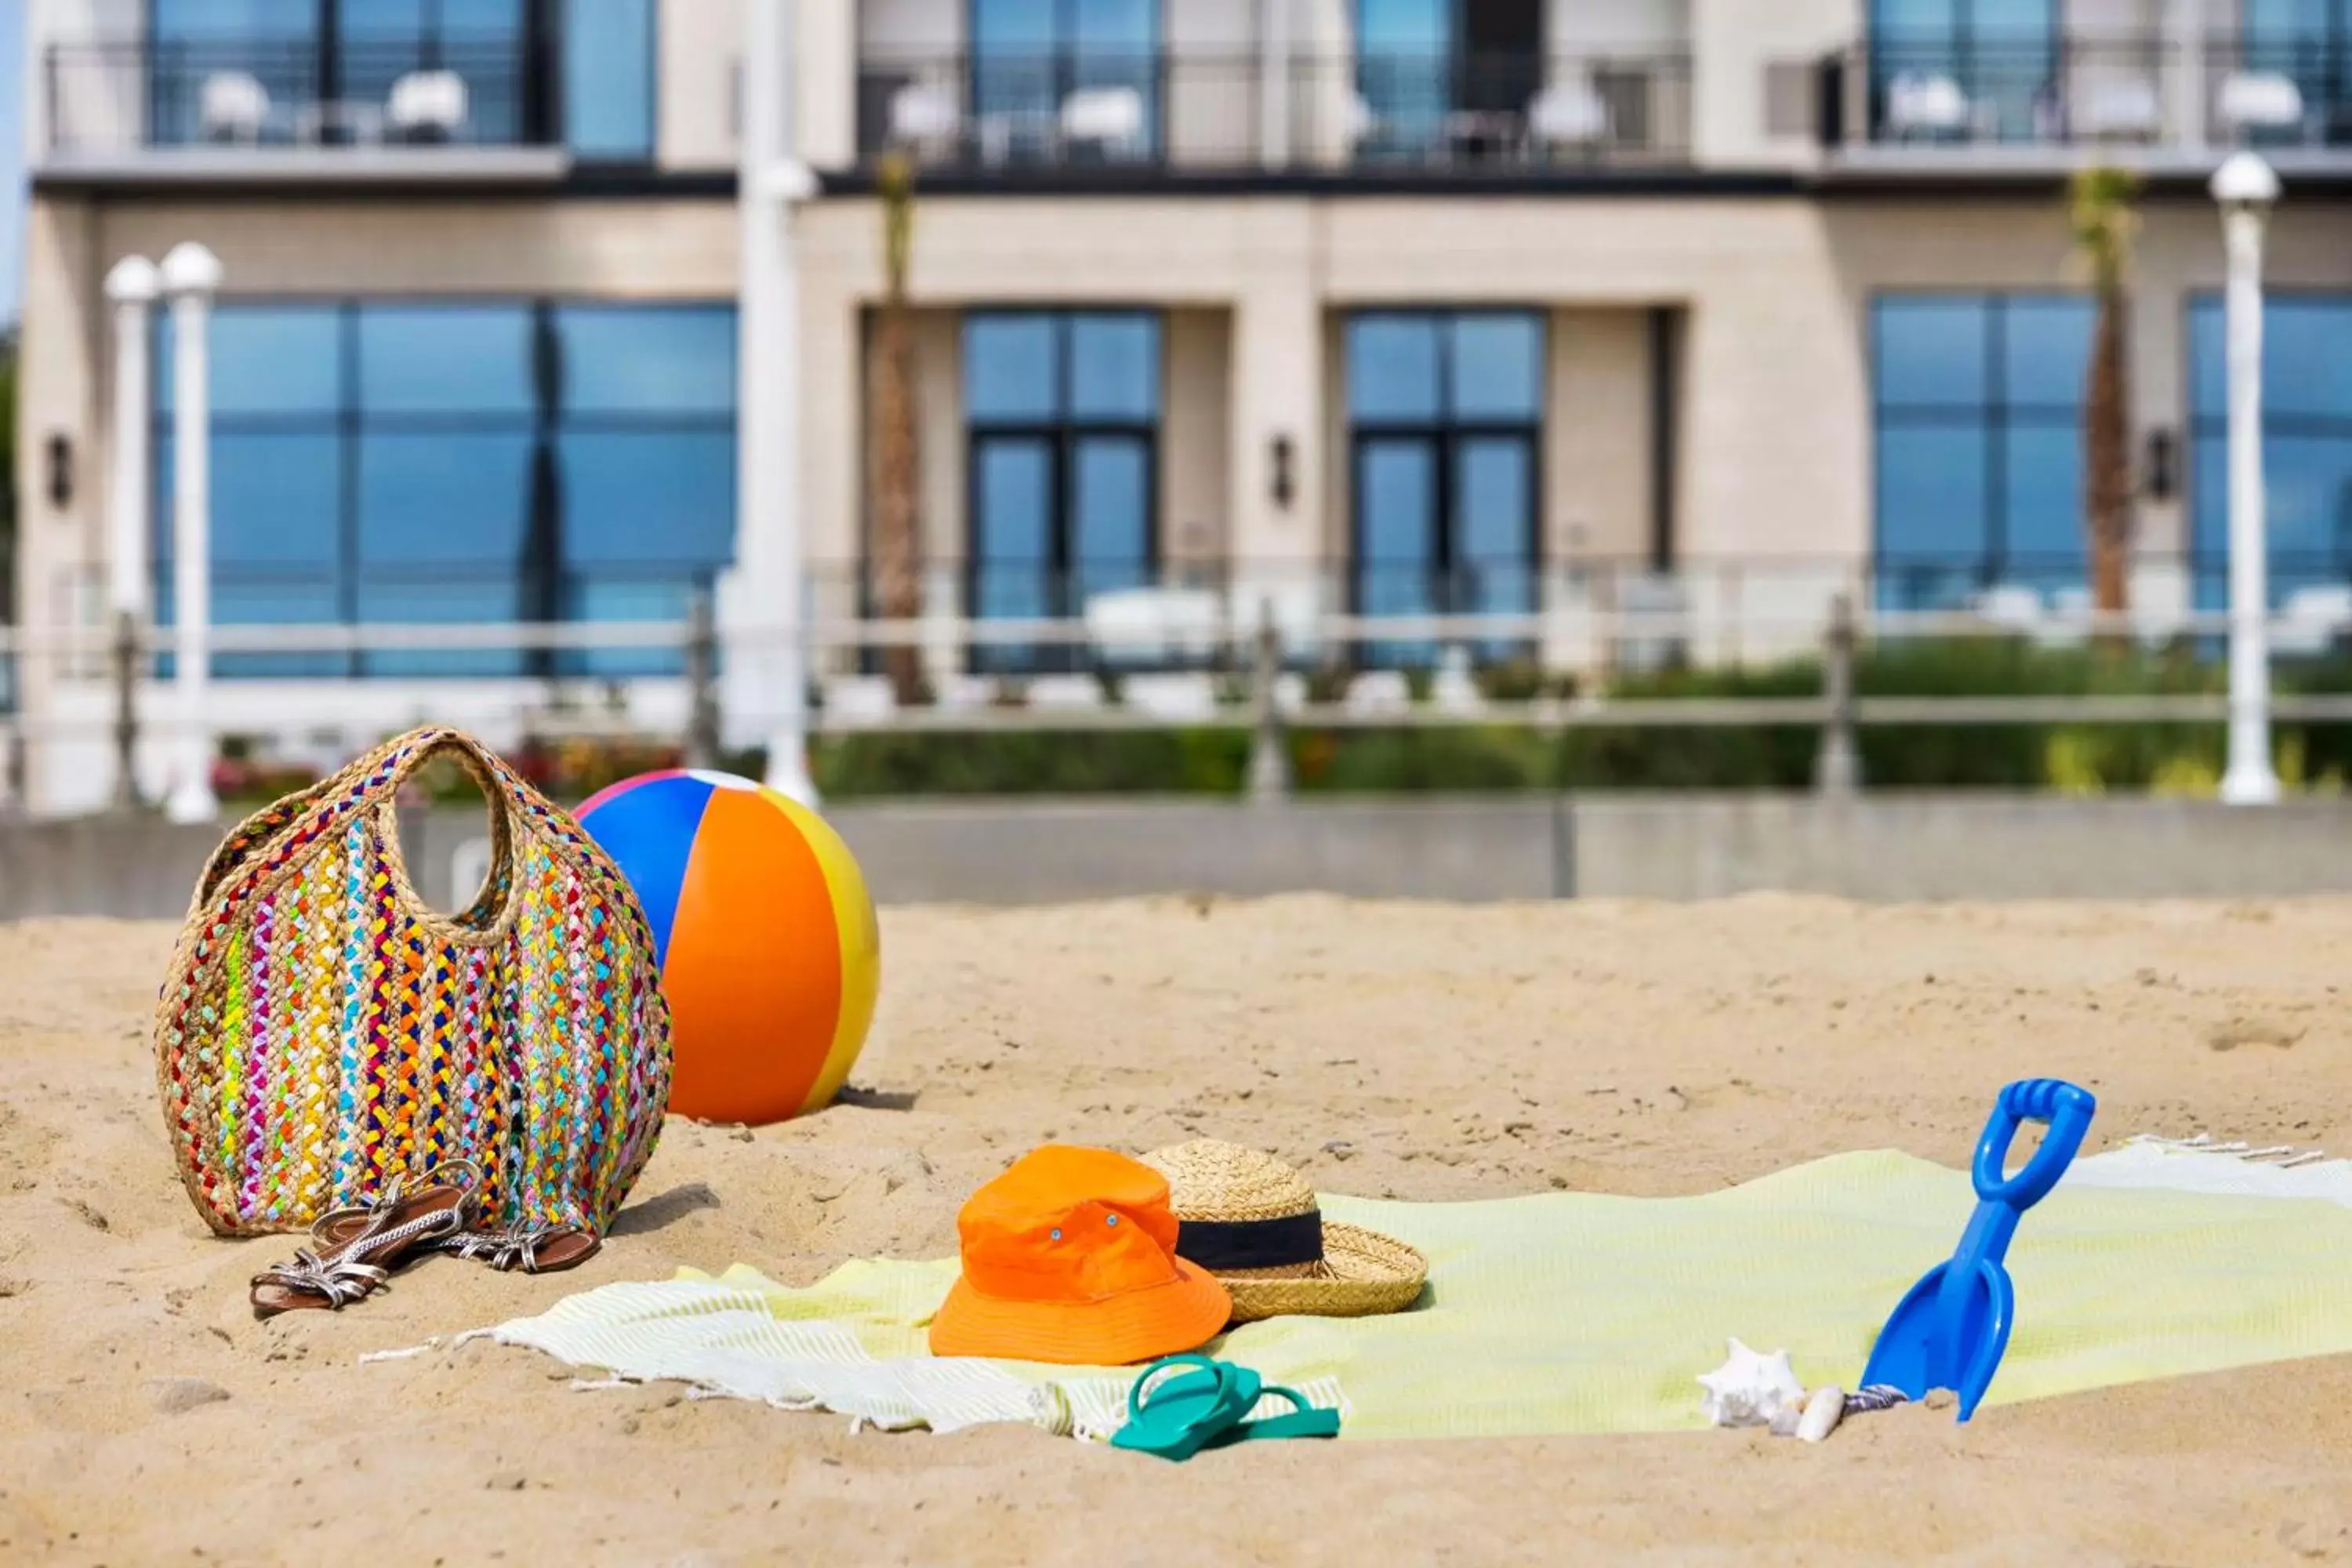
{"x":1392,"y":1051}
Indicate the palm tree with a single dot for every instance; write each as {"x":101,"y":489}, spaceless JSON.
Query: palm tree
{"x":2104,"y":223}
{"x":896,"y":549}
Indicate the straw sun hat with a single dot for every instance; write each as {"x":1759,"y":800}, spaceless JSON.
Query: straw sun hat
{"x":1251,"y":1222}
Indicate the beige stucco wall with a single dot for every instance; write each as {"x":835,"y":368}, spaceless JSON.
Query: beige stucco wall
{"x":1597,"y":436}
{"x":1195,"y":462}
{"x":700,"y":56}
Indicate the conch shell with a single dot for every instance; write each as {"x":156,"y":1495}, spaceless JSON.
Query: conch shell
{"x":1752,"y":1390}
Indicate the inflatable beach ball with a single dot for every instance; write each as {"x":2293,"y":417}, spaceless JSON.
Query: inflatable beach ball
{"x":769,"y":952}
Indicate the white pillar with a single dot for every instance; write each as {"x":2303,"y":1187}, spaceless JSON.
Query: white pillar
{"x":771,"y":600}
{"x":133,"y":286}
{"x":2246,"y":187}
{"x":191,"y":275}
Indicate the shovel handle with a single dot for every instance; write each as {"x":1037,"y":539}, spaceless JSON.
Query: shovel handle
{"x":2067,"y":1110}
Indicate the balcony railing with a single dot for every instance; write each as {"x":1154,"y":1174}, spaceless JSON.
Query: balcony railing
{"x":1186,"y":113}
{"x":2042,"y":89}
{"x":117,"y":99}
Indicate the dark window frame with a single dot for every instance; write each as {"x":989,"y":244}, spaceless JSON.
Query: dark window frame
{"x":1062,"y":433}
{"x":1446,"y":434}
{"x":545,"y":577}
{"x":540,"y":42}
{"x":2208,"y":559}
{"x":1062,"y":56}
{"x":1996,"y":416}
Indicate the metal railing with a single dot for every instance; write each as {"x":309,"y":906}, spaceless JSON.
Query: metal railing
{"x":1250,"y":672}
{"x":2036,"y":89}
{"x":121,"y":98}
{"x":1157,"y":112}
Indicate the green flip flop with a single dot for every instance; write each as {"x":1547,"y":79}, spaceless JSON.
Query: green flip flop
{"x":1179,"y":1405}
{"x":1304,"y":1420}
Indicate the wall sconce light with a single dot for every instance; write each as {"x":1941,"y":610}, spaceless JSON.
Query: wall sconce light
{"x":2161,"y":479}
{"x":61,"y":474}
{"x":1284,"y":485}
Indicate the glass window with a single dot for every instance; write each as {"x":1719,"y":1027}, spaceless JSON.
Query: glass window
{"x":621,"y":359}
{"x":1445,"y":409}
{"x":2002,"y":54}
{"x":460,"y":360}
{"x":1932,"y":352}
{"x":608,"y":79}
{"x":1392,"y":368}
{"x":383,"y":461}
{"x":1498,"y":367}
{"x":1012,"y":367}
{"x":1114,"y":367}
{"x":1030,"y":56}
{"x":1063,"y":409}
{"x":1979,"y":444}
{"x":280,"y":361}
{"x":2307,"y":444}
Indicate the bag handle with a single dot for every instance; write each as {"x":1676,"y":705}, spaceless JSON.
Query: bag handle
{"x":487,"y":918}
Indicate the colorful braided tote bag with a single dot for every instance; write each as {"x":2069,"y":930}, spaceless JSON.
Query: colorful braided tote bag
{"x":324,"y":1035}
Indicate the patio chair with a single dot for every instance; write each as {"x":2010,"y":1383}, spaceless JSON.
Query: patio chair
{"x":2260,"y":100}
{"x":2123,"y":109}
{"x":926,"y":117}
{"x":2311,"y":620}
{"x":233,"y":106}
{"x":1924,"y":103}
{"x":1567,"y":114}
{"x":429,"y":106}
{"x":1109,"y":119}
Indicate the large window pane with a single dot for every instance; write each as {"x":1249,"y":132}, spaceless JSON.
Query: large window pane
{"x":1932,"y":352}
{"x":1393,"y":369}
{"x":443,"y":500}
{"x":648,"y":499}
{"x":1498,"y":367}
{"x":2306,"y":358}
{"x":1932,"y":492}
{"x":445,"y":360}
{"x":2045,"y":353}
{"x":668,"y":360}
{"x":1114,"y":367}
{"x":608,"y":79}
{"x":1011,"y":368}
{"x":1012,"y":526}
{"x":275,"y":500}
{"x":265,"y":360}
{"x":1110,"y":515}
{"x":2041,"y":482}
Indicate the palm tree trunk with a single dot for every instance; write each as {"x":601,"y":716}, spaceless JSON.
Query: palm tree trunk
{"x":895,"y":550}
{"x":2106,"y":451}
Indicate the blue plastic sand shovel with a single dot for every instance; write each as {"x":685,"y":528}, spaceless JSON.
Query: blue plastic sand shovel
{"x":1952,"y":1326}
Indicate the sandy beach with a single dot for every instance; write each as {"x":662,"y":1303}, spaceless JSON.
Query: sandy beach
{"x":1415,"y":1051}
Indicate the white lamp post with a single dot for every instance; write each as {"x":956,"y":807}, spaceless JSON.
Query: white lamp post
{"x":2246,"y":189}
{"x":773,"y":576}
{"x":191,"y":275}
{"x":133,"y":285}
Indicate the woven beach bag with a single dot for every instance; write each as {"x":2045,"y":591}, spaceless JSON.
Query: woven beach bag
{"x":323,"y":1035}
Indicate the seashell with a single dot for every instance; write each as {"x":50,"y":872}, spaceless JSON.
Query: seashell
{"x":1822,"y":1412}
{"x":1748,"y":1389}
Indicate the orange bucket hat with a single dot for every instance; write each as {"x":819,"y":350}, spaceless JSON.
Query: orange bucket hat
{"x":1070,"y":1256}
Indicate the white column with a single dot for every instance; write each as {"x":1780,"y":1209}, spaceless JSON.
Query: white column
{"x":771,"y":601}
{"x":2246,"y":187}
{"x":132,"y":287}
{"x":191,"y":275}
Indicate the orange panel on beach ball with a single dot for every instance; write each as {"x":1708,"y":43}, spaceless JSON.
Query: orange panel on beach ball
{"x":771,"y":953}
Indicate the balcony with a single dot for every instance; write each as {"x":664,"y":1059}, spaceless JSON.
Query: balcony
{"x":263,"y":108}
{"x":999,"y":117}
{"x":2035,"y":100}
